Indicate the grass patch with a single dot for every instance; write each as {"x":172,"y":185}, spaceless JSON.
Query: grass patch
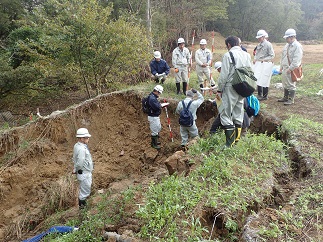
{"x":300,"y":220}
{"x":229,"y":180}
{"x":305,"y":133}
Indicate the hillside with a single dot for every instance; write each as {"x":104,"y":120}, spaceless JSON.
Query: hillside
{"x":36,"y":162}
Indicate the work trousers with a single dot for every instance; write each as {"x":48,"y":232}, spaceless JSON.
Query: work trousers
{"x":201,"y":71}
{"x":186,"y":132}
{"x":287,"y":81}
{"x":182,"y":74}
{"x":154,"y":125}
{"x":232,"y":112}
{"x":85,"y":182}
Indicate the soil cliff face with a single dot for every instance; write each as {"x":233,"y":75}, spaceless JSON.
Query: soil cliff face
{"x":37,"y":157}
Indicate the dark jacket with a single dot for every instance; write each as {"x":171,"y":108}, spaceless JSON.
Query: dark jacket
{"x":154,"y":106}
{"x":159,"y":67}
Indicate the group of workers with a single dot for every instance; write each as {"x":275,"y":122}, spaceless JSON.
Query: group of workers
{"x":232,"y":108}
{"x":230,"y":104}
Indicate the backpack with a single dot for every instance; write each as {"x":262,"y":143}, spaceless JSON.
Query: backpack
{"x":253,"y":106}
{"x":145,"y":105}
{"x":185,"y":116}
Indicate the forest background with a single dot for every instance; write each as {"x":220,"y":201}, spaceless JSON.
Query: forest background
{"x":50,"y":49}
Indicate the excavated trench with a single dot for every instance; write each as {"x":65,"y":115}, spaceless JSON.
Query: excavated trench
{"x":36,"y":159}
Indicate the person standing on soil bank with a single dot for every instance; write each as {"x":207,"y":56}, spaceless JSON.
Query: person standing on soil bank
{"x":231,"y":114}
{"x":83,"y":165}
{"x":159,"y":68}
{"x":203,"y":58}
{"x":180,"y":60}
{"x":291,"y":58}
{"x":263,"y":64}
{"x":216,"y":125}
{"x":191,"y":131}
{"x":153,"y":115}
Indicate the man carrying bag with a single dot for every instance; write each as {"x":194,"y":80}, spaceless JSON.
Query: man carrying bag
{"x":232,"y":112}
{"x":290,"y":61}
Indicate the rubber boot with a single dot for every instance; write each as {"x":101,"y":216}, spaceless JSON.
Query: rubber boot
{"x":154,"y":142}
{"x":237,"y":133}
{"x":291,"y":96}
{"x":285,"y":98}
{"x":264,"y":93}
{"x":259,"y":92}
{"x":184,"y":87}
{"x":178,"y":87}
{"x":82,"y":204}
{"x":158,"y":142}
{"x":230,"y":136}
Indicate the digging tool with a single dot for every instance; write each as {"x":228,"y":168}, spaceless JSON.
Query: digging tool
{"x":212,"y":58}
{"x":191,"y":60}
{"x":168,"y":120}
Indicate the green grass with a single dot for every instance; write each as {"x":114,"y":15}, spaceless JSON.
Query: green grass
{"x":229,"y":180}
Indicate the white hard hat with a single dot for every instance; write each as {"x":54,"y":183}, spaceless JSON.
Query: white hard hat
{"x":217,"y":65}
{"x":261,"y":33}
{"x":180,"y":41}
{"x":157,"y":54}
{"x":266,"y":36}
{"x":159,"y":89}
{"x":203,"y":42}
{"x":82,"y":132}
{"x":289,"y":33}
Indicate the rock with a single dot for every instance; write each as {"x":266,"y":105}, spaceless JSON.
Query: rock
{"x":178,"y":163}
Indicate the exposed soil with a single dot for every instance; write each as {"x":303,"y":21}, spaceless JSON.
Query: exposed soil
{"x":37,"y":158}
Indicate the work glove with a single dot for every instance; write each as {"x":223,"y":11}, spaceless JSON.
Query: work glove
{"x":193,"y":90}
{"x":156,"y":75}
{"x":80,"y":172}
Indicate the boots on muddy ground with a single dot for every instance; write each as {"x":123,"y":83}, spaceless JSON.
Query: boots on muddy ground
{"x":264,"y":93}
{"x":158,"y":142}
{"x":285,"y":98}
{"x":229,"y":135}
{"x":178,"y":88}
{"x":291,"y":96}
{"x":82,"y":204}
{"x":154,"y":140}
{"x":184,"y":87}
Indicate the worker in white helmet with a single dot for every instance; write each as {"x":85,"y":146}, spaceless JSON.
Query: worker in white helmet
{"x":203,"y":58}
{"x":155,"y":109}
{"x":159,"y":68}
{"x":181,"y":59}
{"x":83,"y":165}
{"x":291,"y":59}
{"x":263,"y":64}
